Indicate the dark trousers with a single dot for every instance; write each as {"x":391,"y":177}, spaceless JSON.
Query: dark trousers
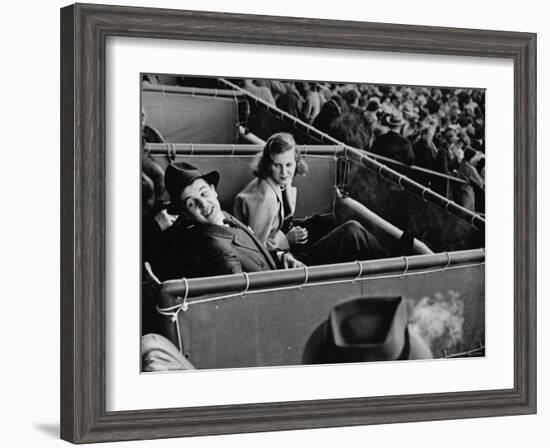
{"x":328,"y":244}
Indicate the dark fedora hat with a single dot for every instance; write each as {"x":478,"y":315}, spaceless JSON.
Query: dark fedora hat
{"x":178,"y":176}
{"x":366,"y":329}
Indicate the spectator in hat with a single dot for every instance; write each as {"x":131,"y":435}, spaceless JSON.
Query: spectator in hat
{"x":392,"y":144}
{"x":216,"y":243}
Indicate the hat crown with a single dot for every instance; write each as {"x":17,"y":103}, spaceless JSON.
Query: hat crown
{"x":394,"y":118}
{"x":178,"y":176}
{"x":373,"y":327}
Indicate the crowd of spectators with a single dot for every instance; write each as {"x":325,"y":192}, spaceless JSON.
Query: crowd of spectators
{"x":438,"y":129}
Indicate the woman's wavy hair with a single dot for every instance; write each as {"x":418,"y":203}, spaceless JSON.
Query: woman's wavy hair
{"x":277,"y":144}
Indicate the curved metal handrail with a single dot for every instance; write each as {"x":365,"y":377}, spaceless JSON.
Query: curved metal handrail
{"x":171,"y":291}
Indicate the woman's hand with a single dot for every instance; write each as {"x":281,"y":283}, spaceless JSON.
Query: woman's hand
{"x":297,"y":235}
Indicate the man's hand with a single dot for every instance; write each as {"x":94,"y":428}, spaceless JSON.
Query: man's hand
{"x":289,"y":262}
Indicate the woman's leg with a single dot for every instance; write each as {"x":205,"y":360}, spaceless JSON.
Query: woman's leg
{"x":347,"y":242}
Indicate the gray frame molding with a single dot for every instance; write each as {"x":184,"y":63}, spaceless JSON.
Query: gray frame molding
{"x":84,"y":29}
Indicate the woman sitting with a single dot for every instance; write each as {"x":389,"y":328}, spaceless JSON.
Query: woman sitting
{"x":267,"y":206}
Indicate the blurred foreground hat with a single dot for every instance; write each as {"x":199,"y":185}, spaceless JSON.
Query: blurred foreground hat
{"x":180,"y":175}
{"x":366,"y":329}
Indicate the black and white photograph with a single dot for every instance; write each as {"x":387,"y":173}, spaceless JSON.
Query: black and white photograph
{"x":304,"y":222}
{"x":271,"y":224}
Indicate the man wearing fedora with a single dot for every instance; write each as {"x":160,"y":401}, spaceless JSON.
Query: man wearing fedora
{"x":207,"y":240}
{"x":392,"y":144}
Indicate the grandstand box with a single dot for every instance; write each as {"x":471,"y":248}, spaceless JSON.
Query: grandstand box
{"x":280,"y":317}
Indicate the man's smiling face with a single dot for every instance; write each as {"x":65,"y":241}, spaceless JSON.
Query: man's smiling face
{"x":200,"y":202}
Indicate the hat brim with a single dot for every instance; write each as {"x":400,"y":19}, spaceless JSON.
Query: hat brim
{"x":213,"y":178}
{"x":375,"y":329}
{"x":322,"y":347}
{"x":393,"y":124}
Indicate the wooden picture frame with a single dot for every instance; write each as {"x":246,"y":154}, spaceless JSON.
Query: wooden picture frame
{"x":84,"y":29}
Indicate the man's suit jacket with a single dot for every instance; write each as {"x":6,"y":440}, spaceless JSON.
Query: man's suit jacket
{"x":424,"y":154}
{"x":395,"y":147}
{"x":231,"y":249}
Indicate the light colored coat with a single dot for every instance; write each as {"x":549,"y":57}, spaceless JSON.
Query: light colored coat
{"x":260,"y":206}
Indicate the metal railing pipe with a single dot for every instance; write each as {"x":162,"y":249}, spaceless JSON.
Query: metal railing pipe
{"x":172,"y":292}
